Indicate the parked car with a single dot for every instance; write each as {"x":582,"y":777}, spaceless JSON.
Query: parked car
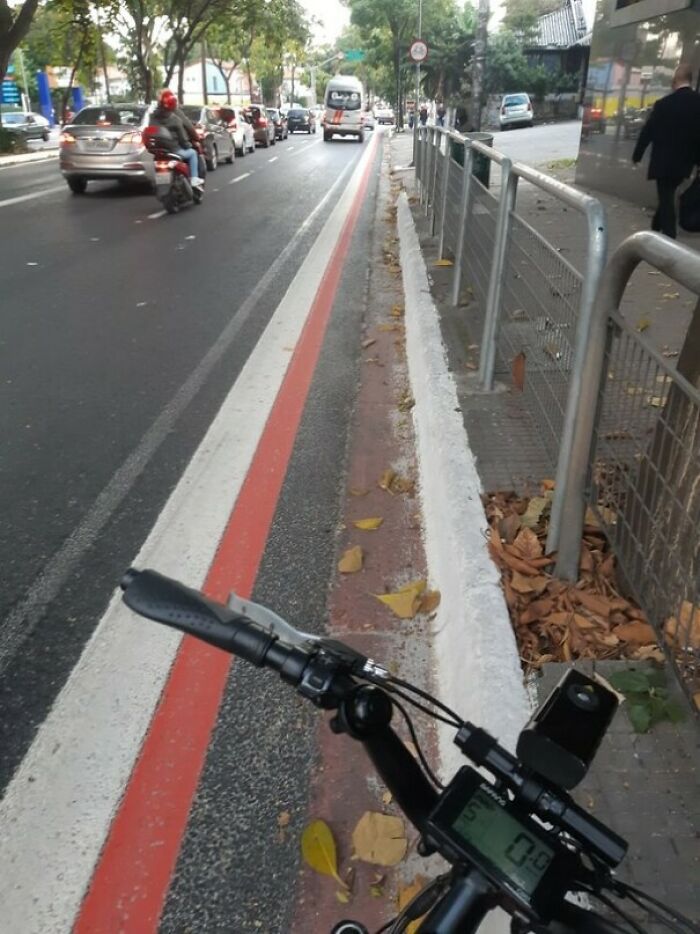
{"x":301,"y":120}
{"x":368,"y":120}
{"x":515,"y":110}
{"x":633,"y":120}
{"x":384,"y":116}
{"x":26,"y":125}
{"x":216,"y":140}
{"x":105,"y":143}
{"x":239,"y":128}
{"x":263,"y":127}
{"x":280,"y":122}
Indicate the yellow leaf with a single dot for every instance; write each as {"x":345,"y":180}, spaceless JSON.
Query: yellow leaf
{"x":358,"y":491}
{"x":643,"y":324}
{"x":318,"y":850}
{"x":386,"y":479}
{"x":406,"y":894}
{"x":394,"y":326}
{"x":406,"y":602}
{"x":376,"y":891}
{"x":656,"y":401}
{"x":342,"y":897}
{"x":396,"y":311}
{"x":380,"y":839}
{"x":671,"y":295}
{"x":443,"y":262}
{"x":387,"y":797}
{"x":430,"y":601}
{"x":351,"y":562}
{"x":368,"y":525}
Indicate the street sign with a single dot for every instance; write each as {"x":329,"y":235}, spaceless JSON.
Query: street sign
{"x":418,"y":51}
{"x":354,"y":55}
{"x":10,"y":93}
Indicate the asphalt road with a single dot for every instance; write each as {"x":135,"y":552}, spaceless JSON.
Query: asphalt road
{"x":116,"y":351}
{"x":540,"y":145}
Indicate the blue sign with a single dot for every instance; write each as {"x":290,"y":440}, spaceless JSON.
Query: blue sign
{"x":10,"y":93}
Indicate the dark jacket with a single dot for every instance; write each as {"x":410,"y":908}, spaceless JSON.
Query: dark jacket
{"x":177,"y":124}
{"x":673,"y":129}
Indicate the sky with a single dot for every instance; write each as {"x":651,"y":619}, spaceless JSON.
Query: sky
{"x":334,"y":16}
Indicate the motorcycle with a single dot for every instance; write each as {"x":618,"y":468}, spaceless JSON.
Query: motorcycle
{"x":174,"y":189}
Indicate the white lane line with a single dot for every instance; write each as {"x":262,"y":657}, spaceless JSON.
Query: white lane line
{"x":59,"y":805}
{"x":273,"y":159}
{"x":239,"y":178}
{"x":309,"y":145}
{"x":154,"y":217}
{"x":289,"y":147}
{"x":31,"y":197}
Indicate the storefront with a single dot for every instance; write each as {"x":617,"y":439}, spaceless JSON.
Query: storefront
{"x":636,"y":46}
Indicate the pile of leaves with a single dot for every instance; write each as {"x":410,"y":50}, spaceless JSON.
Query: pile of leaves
{"x":555,"y":620}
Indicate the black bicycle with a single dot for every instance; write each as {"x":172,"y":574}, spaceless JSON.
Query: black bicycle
{"x":518,"y":842}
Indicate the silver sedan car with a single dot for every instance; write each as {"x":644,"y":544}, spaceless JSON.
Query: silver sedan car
{"x":106,"y":143}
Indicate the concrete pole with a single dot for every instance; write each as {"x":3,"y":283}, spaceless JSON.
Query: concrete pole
{"x":480,"y":42}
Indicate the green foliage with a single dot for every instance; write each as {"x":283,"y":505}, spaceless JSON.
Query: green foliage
{"x":508,"y":69}
{"x":647,"y":695}
{"x":11,"y":143}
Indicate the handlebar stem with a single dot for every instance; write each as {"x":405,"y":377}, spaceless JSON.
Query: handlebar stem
{"x":461,"y":911}
{"x":365,"y":714}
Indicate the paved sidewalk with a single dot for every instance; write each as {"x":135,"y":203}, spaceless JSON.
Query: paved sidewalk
{"x":41,"y":155}
{"x":645,"y":786}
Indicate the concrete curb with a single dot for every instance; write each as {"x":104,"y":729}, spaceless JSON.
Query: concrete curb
{"x":478,"y":668}
{"x":27,"y":158}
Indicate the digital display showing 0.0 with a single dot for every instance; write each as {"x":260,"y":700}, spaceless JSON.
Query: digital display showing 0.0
{"x":504,"y":841}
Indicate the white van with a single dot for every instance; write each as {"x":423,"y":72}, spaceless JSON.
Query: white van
{"x":344,"y":108}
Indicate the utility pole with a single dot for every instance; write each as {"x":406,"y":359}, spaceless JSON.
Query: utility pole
{"x":204,"y":71}
{"x":480,"y":41}
{"x":419,"y":36}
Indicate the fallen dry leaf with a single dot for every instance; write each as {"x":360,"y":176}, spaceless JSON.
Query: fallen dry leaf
{"x":642,"y":324}
{"x":404,"y":603}
{"x":368,"y":525}
{"x":351,"y":562}
{"x":358,"y":491}
{"x":387,"y":797}
{"x":406,"y":895}
{"x":369,"y":342}
{"x":319,"y":850}
{"x":429,"y":601}
{"x":386,"y":479}
{"x":443,"y":262}
{"x":380,"y":839}
{"x":637,"y":632}
{"x":687,"y":631}
{"x":396,"y":311}
{"x":342,"y":896}
{"x":395,"y":326}
{"x":671,"y":295}
{"x":517,"y":369}
{"x":528,"y":544}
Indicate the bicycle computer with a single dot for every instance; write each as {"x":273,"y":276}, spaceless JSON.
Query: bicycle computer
{"x":475,"y":823}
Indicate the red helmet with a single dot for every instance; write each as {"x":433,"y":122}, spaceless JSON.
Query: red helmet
{"x":168,"y":99}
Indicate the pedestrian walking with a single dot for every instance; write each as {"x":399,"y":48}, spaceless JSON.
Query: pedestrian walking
{"x":423,"y":115}
{"x":441,"y":114}
{"x":673,"y":131}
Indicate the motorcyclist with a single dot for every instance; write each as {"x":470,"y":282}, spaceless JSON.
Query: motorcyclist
{"x":168,"y":115}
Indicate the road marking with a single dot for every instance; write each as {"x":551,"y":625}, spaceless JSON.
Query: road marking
{"x":239,"y":178}
{"x":35,"y":194}
{"x":130,"y":884}
{"x":58,"y":807}
{"x":289,"y":148}
{"x":154,"y":217}
{"x":273,"y":159}
{"x":309,"y":145}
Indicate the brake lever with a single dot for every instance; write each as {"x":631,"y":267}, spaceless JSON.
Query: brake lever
{"x":271,"y":622}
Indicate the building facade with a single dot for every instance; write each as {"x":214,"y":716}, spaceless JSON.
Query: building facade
{"x":636,"y":46}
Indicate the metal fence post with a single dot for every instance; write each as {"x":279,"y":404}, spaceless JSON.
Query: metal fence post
{"x":569,"y":497}
{"x":509,"y":185}
{"x":436,"y":156}
{"x":585,"y":328}
{"x":443,"y":198}
{"x":417,"y":168}
{"x":429,"y":160}
{"x":463,"y":214}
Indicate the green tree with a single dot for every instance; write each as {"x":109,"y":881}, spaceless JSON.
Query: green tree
{"x":141,"y":26}
{"x":15,"y":21}
{"x":451,"y":49}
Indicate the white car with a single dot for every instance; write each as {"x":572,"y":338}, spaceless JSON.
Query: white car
{"x":516,"y":110}
{"x":240,"y":129}
{"x":368,"y":120}
{"x":384,"y":116}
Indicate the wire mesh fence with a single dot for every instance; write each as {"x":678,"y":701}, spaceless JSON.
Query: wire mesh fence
{"x":540,"y":301}
{"x":454,"y":191}
{"x":644,"y":488}
{"x":477,"y":254}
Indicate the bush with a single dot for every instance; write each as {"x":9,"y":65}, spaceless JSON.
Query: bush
{"x":10,"y":142}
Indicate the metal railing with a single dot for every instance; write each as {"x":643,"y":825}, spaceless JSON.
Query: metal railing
{"x":619,"y":422}
{"x":527,"y":297}
{"x":635,"y":458}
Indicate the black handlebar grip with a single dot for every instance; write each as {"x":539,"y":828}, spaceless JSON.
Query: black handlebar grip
{"x":167,"y":601}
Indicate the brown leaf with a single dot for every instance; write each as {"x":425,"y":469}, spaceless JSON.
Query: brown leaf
{"x":537,"y":610}
{"x":535,"y":508}
{"x":430,"y":601}
{"x":528,"y":544}
{"x":637,"y":633}
{"x":586,"y":562}
{"x":582,"y":621}
{"x":509,"y":526}
{"x":687,"y":632}
{"x":358,"y":491}
{"x":396,"y":311}
{"x":517,"y":564}
{"x":369,"y":342}
{"x":548,"y":485}
{"x":386,"y":478}
{"x":380,"y":839}
{"x":406,"y":895}
{"x":528,"y":585}
{"x":517,"y":369}
{"x":351,"y":562}
{"x":593,"y":602}
{"x":649,"y":653}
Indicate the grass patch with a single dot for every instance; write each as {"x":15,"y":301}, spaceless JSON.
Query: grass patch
{"x":562,"y":164}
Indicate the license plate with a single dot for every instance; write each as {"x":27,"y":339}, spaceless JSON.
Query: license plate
{"x":100,"y":145}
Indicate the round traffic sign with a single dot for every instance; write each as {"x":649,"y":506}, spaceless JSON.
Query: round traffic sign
{"x":418,"y":51}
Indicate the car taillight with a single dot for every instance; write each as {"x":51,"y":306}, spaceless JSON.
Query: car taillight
{"x":133,"y":137}
{"x":67,"y":137}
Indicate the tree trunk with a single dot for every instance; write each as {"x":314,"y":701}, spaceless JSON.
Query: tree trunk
{"x":13,"y":31}
{"x":480,"y":43}
{"x":76,"y":66}
{"x":249,"y":75}
{"x":181,"y":55}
